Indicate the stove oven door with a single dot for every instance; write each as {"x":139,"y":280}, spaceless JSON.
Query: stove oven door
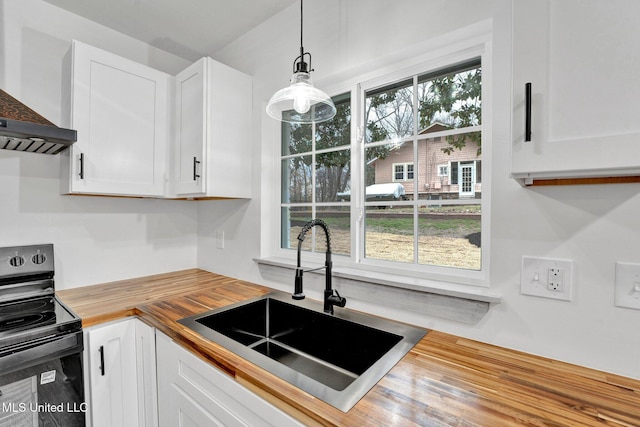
{"x":41,"y":383}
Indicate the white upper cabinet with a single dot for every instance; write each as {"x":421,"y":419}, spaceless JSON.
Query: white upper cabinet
{"x":120,"y":109}
{"x":212,"y":149}
{"x":581,"y":58}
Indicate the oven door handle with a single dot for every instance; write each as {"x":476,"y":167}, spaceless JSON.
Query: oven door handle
{"x":101,"y":351}
{"x":32,"y":355}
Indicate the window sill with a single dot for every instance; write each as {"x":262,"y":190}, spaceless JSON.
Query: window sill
{"x":464,"y":303}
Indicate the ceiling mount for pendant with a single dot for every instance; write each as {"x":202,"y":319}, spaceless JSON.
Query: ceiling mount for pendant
{"x":301,"y":102}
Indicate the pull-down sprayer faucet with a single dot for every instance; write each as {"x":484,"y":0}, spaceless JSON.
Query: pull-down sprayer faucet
{"x":329,"y":298}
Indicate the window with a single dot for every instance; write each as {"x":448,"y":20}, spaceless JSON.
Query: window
{"x":414,"y":173}
{"x":430,"y":119}
{"x":316,"y":180}
{"x":403,"y":172}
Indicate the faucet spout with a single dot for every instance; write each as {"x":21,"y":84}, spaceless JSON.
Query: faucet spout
{"x":330,"y":299}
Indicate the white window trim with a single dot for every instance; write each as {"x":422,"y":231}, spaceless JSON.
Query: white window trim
{"x":448,"y":168}
{"x":405,"y":172}
{"x":460,"y":45}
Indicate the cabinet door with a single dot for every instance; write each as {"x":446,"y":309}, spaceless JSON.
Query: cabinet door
{"x":193,"y":393}
{"x":229,"y":149}
{"x":120,"y":110}
{"x":191,"y":105}
{"x":579,"y":57}
{"x":112,"y":372}
{"x":147,"y":386}
{"x":213,"y":131}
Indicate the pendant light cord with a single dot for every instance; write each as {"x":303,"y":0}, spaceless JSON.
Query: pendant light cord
{"x":301,"y":24}
{"x":299,"y":64}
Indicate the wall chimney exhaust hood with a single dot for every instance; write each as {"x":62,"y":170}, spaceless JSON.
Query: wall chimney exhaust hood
{"x":22,"y":129}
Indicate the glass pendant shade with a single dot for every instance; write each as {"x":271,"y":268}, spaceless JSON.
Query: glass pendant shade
{"x":301,"y":102}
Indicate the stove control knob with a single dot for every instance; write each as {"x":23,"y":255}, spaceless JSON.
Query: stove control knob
{"x":38,"y":258}
{"x":16,"y":261}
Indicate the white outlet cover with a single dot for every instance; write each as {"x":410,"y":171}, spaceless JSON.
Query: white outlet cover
{"x":534,"y":277}
{"x":627,"y":290}
{"x":220,"y":239}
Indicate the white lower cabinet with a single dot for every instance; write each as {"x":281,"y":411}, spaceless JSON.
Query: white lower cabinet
{"x":120,"y":374}
{"x":191,"y":392}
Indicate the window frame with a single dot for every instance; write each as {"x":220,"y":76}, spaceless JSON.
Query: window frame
{"x":405,"y":171}
{"x":478,"y":45}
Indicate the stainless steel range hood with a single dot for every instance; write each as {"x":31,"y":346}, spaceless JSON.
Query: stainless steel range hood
{"x":22,"y":129}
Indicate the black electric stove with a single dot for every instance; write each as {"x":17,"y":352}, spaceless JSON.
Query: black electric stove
{"x":41,"y":343}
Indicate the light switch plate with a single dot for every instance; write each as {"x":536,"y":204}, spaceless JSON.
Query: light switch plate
{"x":627,"y":292}
{"x":547,"y":277}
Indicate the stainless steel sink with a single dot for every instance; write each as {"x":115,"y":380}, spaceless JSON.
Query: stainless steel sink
{"x":336,"y":358}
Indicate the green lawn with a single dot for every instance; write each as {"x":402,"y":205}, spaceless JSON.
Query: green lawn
{"x":404,"y":225}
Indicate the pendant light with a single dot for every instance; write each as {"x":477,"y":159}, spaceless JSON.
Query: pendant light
{"x":301,"y":102}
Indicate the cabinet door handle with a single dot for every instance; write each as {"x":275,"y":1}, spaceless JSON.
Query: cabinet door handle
{"x":195,"y":168}
{"x":101,"y":351}
{"x":527,"y":112}
{"x":81,"y":174}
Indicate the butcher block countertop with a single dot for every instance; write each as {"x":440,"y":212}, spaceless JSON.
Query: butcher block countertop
{"x":443,"y":381}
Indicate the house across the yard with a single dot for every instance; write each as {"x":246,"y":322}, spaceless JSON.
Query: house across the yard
{"x":440,"y":175}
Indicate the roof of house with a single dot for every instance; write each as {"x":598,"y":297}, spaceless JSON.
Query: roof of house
{"x":434,"y":127}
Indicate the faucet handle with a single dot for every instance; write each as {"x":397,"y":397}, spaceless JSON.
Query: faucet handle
{"x":298,"y":293}
{"x":337,"y":299}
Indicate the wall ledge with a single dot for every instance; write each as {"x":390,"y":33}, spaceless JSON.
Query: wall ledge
{"x":462,"y":303}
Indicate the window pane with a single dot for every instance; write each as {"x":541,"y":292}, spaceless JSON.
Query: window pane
{"x":386,"y":172}
{"x":389,"y":234}
{"x":374,"y":156}
{"x":292,"y":221}
{"x":333,"y":175}
{"x":453,"y":99}
{"x":463,"y":180}
{"x":337,"y":131}
{"x":389,"y":112}
{"x":296,"y":138}
{"x":399,"y":173}
{"x":338,"y":220}
{"x":449,"y":235}
{"x":296,"y":179}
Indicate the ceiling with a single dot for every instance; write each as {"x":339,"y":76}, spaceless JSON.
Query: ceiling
{"x":186,"y":28}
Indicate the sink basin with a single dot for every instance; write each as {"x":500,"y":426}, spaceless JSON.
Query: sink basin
{"x":336,"y":358}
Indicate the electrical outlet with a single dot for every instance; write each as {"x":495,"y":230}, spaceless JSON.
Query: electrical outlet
{"x":547,"y":277}
{"x":554,"y":282}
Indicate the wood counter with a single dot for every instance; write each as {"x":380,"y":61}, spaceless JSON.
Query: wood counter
{"x":443,"y":381}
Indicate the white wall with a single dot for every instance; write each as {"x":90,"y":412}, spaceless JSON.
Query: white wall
{"x":593,"y":225}
{"x":96,"y":239}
